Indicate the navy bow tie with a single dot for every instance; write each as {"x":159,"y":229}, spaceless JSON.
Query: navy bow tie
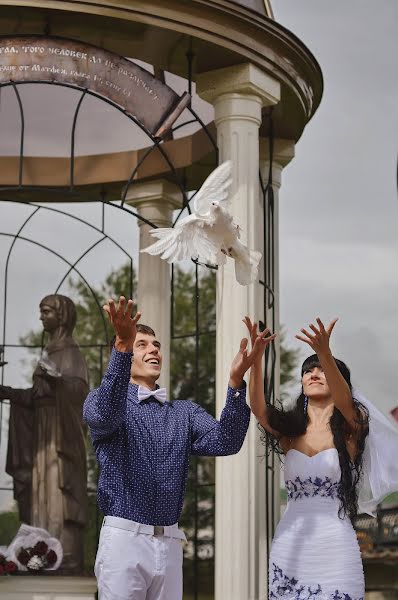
{"x":160,"y":394}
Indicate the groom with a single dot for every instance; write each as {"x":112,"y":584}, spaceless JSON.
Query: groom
{"x":143,"y":441}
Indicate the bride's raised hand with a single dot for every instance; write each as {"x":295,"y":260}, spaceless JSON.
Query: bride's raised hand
{"x":319,"y":339}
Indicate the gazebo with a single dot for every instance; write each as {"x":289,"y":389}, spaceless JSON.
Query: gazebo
{"x":230,"y":83}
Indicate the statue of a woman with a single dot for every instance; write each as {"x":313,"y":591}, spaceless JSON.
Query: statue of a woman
{"x":46,"y":445}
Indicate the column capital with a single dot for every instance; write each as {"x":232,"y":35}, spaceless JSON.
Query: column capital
{"x":245,"y":79}
{"x":155,"y":200}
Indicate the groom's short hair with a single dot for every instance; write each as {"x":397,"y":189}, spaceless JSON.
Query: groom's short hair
{"x":141,"y":328}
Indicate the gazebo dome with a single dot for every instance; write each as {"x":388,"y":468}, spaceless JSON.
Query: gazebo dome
{"x":260,"y":6}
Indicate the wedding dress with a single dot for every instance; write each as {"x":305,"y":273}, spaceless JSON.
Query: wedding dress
{"x":315,"y":553}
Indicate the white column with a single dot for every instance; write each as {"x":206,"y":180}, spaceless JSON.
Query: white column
{"x":282,"y":154}
{"x":238,"y":94}
{"x":155,"y":201}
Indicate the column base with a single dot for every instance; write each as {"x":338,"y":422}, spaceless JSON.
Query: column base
{"x":36,"y":587}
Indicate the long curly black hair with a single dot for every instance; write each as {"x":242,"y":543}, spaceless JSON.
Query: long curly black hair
{"x":293,"y":423}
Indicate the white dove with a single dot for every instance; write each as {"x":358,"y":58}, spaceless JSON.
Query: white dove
{"x":209,"y":233}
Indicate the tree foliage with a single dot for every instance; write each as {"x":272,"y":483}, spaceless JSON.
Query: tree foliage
{"x":289,"y":362}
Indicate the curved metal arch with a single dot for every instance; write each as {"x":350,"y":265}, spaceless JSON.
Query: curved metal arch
{"x":74,"y":217}
{"x":157,"y":144}
{"x":84,"y":254}
{"x":6,"y":270}
{"x":181,"y":125}
{"x":25,"y":239}
{"x":82,"y":89}
{"x":206,"y":130}
{"x":196,"y":119}
{"x":104,"y":203}
{"x":168,"y":162}
{"x":180,"y":212}
{"x":111,"y":203}
{"x":156,"y":141}
{"x":73,"y":265}
{"x":214,"y":144}
{"x":134,"y":172}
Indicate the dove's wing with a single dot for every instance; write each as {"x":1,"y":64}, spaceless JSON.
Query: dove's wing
{"x":215,"y":189}
{"x":186,"y":240}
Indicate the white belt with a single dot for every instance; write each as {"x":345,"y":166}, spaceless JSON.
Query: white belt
{"x":156,"y":530}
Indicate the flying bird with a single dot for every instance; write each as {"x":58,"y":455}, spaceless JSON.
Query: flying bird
{"x":209,"y":233}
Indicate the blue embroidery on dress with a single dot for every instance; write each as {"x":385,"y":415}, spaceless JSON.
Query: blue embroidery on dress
{"x":309,"y":488}
{"x":282,"y":586}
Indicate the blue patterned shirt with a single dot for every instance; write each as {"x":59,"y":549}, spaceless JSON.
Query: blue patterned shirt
{"x":143,"y":448}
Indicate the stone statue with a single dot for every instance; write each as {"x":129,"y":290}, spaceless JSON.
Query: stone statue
{"x":46,"y":444}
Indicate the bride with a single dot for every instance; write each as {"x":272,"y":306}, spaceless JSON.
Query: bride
{"x":340,"y":457}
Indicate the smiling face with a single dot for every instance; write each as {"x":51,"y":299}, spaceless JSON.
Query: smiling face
{"x":314,"y":383}
{"x":147,"y":362}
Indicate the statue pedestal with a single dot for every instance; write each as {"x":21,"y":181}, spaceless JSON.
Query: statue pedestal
{"x":36,"y":587}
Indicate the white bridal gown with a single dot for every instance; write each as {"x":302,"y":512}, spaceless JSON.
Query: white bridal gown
{"x":315,"y":554}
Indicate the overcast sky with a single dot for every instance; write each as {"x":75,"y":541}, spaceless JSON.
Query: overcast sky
{"x":339,"y":206}
{"x":338,"y":202}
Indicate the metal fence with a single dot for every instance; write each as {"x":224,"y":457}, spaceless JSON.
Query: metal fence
{"x":378,"y":532}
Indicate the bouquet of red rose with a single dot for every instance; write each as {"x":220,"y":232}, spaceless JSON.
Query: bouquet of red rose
{"x":37,"y":558}
{"x":33,"y":549}
{"x":7,"y":567}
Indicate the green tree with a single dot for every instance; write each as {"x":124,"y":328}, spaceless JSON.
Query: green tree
{"x":289,"y":362}
{"x":9,"y":525}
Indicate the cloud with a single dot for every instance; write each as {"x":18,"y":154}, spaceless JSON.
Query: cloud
{"x":365,"y":336}
{"x":338,"y":201}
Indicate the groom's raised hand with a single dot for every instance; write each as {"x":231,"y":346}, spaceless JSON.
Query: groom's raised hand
{"x":244,"y":358}
{"x":123,"y":323}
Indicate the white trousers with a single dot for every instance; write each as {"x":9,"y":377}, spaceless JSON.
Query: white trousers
{"x":134,"y":565}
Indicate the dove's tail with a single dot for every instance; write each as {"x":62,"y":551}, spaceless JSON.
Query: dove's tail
{"x":246,"y":266}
